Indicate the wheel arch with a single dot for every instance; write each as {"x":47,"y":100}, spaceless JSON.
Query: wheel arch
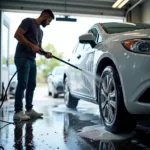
{"x":100,"y":67}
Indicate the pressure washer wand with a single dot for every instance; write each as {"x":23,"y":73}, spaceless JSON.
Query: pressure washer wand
{"x":43,"y":52}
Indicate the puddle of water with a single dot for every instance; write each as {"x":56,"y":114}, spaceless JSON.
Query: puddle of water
{"x":99,"y":133}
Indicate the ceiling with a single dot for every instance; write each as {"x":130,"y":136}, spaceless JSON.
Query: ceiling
{"x":74,"y":7}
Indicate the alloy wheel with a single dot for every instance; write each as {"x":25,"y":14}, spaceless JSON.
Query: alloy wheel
{"x":108,"y":99}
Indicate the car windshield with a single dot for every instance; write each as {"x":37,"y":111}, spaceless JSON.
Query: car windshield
{"x":59,"y":71}
{"x":114,"y":27}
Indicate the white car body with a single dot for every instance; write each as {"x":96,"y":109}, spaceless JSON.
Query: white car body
{"x":131,"y":64}
{"x":14,"y":81}
{"x":133,"y":69}
{"x":55,"y":81}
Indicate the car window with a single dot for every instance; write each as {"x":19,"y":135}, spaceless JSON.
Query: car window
{"x":58,"y":71}
{"x":95,"y":34}
{"x":80,"y":47}
{"x":100,"y":39}
{"x":87,"y":47}
{"x":75,"y":48}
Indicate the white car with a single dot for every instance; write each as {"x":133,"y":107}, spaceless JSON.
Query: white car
{"x":14,"y":81}
{"x":55,"y":81}
{"x":115,"y":62}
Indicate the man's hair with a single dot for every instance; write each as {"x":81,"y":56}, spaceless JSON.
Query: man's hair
{"x":47,"y":12}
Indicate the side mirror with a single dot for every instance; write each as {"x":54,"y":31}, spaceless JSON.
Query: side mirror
{"x":87,"y":38}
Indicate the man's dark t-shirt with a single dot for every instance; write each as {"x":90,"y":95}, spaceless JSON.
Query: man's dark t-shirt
{"x":34,"y":34}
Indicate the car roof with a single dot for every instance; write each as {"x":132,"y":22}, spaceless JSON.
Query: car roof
{"x":116,"y":24}
{"x":114,"y":27}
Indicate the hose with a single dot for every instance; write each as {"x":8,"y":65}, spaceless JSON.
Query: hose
{"x":4,"y":97}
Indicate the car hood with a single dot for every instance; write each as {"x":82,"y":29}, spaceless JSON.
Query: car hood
{"x":143,"y":33}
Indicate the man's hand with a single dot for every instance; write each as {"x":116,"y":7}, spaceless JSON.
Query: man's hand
{"x":35,"y":49}
{"x":48,"y":55}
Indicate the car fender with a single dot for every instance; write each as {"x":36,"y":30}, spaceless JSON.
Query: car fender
{"x":100,"y":55}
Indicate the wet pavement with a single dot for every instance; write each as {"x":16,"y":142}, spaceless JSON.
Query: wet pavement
{"x":66,"y":129}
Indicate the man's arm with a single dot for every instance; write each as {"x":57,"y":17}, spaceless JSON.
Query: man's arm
{"x":19,"y":35}
{"x":40,"y":52}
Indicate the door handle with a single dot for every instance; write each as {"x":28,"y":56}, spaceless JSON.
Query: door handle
{"x":79,"y":56}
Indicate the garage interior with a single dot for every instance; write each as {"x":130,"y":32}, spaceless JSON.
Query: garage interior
{"x":134,"y":10}
{"x":60,"y":127}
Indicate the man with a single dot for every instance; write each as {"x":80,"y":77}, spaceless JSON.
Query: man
{"x":29,"y":36}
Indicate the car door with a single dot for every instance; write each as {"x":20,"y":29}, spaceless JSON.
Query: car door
{"x":86,"y":79}
{"x":71,"y":71}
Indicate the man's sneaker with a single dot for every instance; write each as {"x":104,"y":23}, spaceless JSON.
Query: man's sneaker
{"x":21,"y":116}
{"x":33,"y":114}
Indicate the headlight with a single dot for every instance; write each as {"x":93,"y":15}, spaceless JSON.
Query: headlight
{"x":143,"y":47}
{"x":137,"y":45}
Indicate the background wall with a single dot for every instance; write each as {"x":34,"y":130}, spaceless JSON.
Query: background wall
{"x":136,"y":14}
{"x":146,"y":12}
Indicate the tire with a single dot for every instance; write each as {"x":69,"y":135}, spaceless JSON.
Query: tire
{"x":54,"y":95}
{"x":111,"y":103}
{"x":70,"y":101}
{"x":49,"y":93}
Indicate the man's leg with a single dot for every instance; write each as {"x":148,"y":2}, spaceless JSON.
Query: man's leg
{"x":31,"y":85}
{"x":22,"y":76}
{"x":30,"y":92}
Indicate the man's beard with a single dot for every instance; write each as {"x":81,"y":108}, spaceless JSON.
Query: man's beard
{"x":43,"y":23}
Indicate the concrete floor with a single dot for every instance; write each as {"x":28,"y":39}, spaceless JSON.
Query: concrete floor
{"x":66,"y":129}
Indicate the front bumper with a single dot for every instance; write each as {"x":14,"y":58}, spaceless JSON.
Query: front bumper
{"x":134,"y":70}
{"x":12,"y":88}
{"x":59,"y":88}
